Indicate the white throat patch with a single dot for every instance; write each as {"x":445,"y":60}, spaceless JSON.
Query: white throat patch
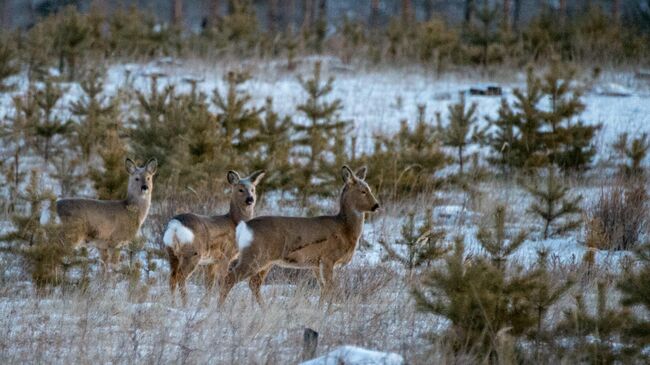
{"x":243,"y":235}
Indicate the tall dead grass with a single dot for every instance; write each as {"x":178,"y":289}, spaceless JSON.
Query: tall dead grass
{"x":372,"y":309}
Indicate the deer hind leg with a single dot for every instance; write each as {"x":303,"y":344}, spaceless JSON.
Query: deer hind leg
{"x":173,"y":271}
{"x":255,"y":283}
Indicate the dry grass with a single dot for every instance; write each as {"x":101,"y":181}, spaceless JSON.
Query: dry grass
{"x":618,"y":219}
{"x":373,"y":309}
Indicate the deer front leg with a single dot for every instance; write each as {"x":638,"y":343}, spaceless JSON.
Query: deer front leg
{"x":326,"y":271}
{"x":216,"y":273}
{"x":106,"y":257}
{"x":244,"y":267}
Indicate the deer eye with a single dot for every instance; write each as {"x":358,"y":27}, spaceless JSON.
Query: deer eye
{"x":137,"y":179}
{"x":241,"y":190}
{"x":364,"y":192}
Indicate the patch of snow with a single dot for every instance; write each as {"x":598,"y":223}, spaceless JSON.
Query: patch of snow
{"x":352,"y":355}
{"x":613,"y":89}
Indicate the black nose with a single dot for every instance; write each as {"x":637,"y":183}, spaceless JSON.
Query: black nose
{"x":144,"y":187}
{"x":250,"y":200}
{"x":375,"y":207}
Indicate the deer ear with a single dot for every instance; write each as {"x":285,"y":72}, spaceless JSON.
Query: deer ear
{"x":151,"y":166}
{"x":361,"y":173}
{"x":131,"y":167}
{"x":257,"y":176}
{"x":233,"y":177}
{"x":346,"y":173}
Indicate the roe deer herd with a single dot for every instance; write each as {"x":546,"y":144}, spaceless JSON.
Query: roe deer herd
{"x":234,"y":246}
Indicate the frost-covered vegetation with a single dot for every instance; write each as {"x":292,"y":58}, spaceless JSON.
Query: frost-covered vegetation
{"x":514,"y":227}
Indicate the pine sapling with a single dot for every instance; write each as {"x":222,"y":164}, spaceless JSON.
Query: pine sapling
{"x":35,"y":236}
{"x":634,"y":150}
{"x":595,"y":331}
{"x":316,"y":135}
{"x":553,"y":203}
{"x":154,"y":130}
{"x":235,"y":116}
{"x":110,"y":180}
{"x":458,"y":133}
{"x":495,"y":240}
{"x":8,"y":64}
{"x":419,"y":244}
{"x":94,"y":112}
{"x":47,"y":126}
{"x":273,"y":147}
{"x":634,"y":286}
{"x":546,"y":293}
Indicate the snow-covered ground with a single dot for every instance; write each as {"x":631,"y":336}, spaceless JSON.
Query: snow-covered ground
{"x":375,"y":100}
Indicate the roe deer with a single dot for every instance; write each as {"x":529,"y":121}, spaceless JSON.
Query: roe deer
{"x":109,"y":224}
{"x":317,"y":243}
{"x":192,"y":240}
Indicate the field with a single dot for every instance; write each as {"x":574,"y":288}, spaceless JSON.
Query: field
{"x":114,"y":319}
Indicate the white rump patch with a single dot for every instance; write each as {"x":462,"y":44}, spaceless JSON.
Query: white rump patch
{"x":243,"y":235}
{"x":176,"y":229}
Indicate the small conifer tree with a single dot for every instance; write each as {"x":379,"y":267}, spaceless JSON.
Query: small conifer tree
{"x":527,"y":135}
{"x":94,"y":111}
{"x":547,"y":291}
{"x":458,"y":133}
{"x":240,"y":27}
{"x":47,"y":126}
{"x":35,"y":236}
{"x":110,"y":181}
{"x":482,"y":34}
{"x":235,"y":117}
{"x":494,"y":240}
{"x":552,"y":203}
{"x":634,"y":151}
{"x":71,"y":35}
{"x":69,"y":173}
{"x":154,"y":130}
{"x":8,"y":64}
{"x":15,"y":134}
{"x":516,"y":132}
{"x":596,"y":330}
{"x":569,"y":142}
{"x":317,"y":136}
{"x":274,"y":148}
{"x":408,"y":161}
{"x":205,"y":144}
{"x":479,"y":299}
{"x":635,"y":289}
{"x":419,"y":244}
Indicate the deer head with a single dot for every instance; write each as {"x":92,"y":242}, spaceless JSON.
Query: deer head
{"x":141,"y":178}
{"x":243,"y":195}
{"x":356,"y":193}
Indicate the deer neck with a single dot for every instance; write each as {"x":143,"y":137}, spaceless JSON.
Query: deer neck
{"x":238,"y":214}
{"x":139,"y":206}
{"x":352,"y":220}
